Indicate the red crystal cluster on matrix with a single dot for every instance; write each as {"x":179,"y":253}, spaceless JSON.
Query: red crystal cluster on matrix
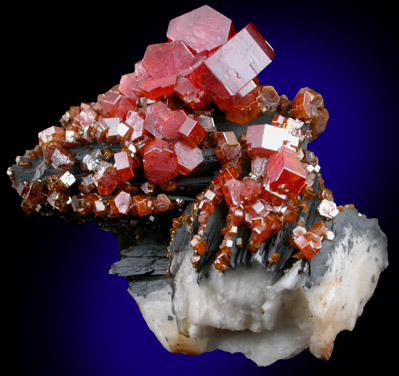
{"x":162,"y":116}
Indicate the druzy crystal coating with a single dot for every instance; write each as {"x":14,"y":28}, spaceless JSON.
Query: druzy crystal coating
{"x":161,"y":116}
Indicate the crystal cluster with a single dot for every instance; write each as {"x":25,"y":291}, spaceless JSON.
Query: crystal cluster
{"x":161,"y":116}
{"x":191,"y":143}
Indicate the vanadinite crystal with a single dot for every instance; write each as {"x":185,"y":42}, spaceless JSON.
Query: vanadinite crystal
{"x":161,"y":116}
{"x":124,"y":165}
{"x":264,"y":139}
{"x":106,"y":178}
{"x":285,"y":173}
{"x":188,"y":153}
{"x":227,"y":75}
{"x":202,"y":30}
{"x":188,"y":157}
{"x":160,"y":162}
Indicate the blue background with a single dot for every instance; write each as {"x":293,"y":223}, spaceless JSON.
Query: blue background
{"x":65,"y":314}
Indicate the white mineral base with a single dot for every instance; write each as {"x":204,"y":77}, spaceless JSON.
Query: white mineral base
{"x":249,"y":310}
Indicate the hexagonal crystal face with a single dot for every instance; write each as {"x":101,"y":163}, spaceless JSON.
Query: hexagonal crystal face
{"x":124,"y":165}
{"x":167,"y":59}
{"x":327,"y":209}
{"x":160,"y":162}
{"x":202,"y":29}
{"x":188,"y":156}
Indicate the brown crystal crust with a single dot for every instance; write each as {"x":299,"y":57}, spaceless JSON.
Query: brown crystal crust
{"x":156,"y":125}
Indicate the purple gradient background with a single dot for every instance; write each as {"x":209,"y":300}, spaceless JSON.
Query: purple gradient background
{"x":66,"y":314}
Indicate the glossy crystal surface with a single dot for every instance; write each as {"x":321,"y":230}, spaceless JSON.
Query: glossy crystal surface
{"x":158,"y":126}
{"x":202,"y":30}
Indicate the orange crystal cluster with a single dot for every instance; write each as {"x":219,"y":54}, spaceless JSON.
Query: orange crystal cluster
{"x":161,"y":117}
{"x":269,"y":197}
{"x":309,"y":242}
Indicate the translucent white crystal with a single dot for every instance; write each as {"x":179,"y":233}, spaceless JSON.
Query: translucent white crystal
{"x":330,"y":235}
{"x":327,"y":209}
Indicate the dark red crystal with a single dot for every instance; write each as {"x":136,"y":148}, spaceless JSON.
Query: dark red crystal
{"x":160,"y":162}
{"x":284,"y":172}
{"x":189,"y":157}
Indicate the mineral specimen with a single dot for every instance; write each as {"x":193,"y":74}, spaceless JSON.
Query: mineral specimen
{"x":228,"y":237}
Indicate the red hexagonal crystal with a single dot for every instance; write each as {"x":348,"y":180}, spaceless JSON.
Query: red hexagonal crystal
{"x":140,"y":205}
{"x":160,"y":162}
{"x":86,"y":184}
{"x":259,"y":234}
{"x":121,"y":203}
{"x":228,"y":148}
{"x":192,"y":131}
{"x":190,"y":94}
{"x":132,"y":128}
{"x":124,"y":165}
{"x":232,"y":192}
{"x":59,"y":157}
{"x":224,"y":175}
{"x":269,"y":98}
{"x":156,"y":88}
{"x":128,"y":85}
{"x":306,"y":104}
{"x":170,"y":123}
{"x":163,"y":203}
{"x":284,"y":172}
{"x":59,"y":201}
{"x":114,"y":104}
{"x":319,"y":122}
{"x":272,"y":197}
{"x":188,"y":156}
{"x":153,"y":118}
{"x":309,"y":244}
{"x":167,"y":59}
{"x":33,"y":192}
{"x":106,"y":178}
{"x":245,"y":108}
{"x":202,"y":29}
{"x":233,"y":66}
{"x":100,"y":205}
{"x":251,"y":190}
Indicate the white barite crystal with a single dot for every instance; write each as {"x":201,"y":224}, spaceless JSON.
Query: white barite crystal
{"x":264,"y":316}
{"x":330,"y":235}
{"x":327,"y":209}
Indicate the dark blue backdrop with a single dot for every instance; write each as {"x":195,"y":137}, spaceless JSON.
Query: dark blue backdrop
{"x":66,"y":314}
